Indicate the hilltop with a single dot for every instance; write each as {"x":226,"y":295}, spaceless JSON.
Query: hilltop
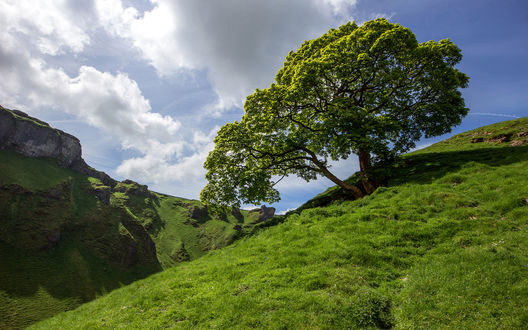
{"x":70,"y":233}
{"x":443,"y":245}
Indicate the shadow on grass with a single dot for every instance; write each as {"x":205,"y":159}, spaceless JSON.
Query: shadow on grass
{"x":426,"y":167}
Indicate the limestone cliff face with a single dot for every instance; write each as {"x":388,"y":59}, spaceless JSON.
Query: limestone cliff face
{"x":32,"y":137}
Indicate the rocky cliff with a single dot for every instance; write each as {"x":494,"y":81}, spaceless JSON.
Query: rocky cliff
{"x":34,"y":138}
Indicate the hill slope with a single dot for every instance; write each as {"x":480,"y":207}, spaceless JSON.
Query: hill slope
{"x":69,"y":233}
{"x":444,"y":245}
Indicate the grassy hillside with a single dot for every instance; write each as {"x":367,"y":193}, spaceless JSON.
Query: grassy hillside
{"x":65,"y":238}
{"x":182,"y":229}
{"x":54,"y":242}
{"x":444,"y":245}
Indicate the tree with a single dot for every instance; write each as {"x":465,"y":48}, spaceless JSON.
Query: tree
{"x":371,"y":90}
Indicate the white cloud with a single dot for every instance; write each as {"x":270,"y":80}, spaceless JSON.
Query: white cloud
{"x":241,"y":44}
{"x":381,"y":15}
{"x":48,"y":23}
{"x":340,"y":6}
{"x":156,"y":167}
{"x":111,"y":102}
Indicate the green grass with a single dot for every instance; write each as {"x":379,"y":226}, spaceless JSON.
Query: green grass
{"x":39,"y":279}
{"x":34,"y":286}
{"x":444,"y":245}
{"x":168,"y":221}
{"x":17,"y":170}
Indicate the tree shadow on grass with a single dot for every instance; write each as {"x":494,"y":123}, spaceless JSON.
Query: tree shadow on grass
{"x":427,"y":167}
{"x":423,"y":168}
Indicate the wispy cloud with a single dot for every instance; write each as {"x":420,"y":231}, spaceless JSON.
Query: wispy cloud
{"x":494,"y":114}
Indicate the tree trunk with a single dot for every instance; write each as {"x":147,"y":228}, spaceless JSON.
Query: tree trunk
{"x":364,"y":166}
{"x":350,"y":188}
{"x":353,"y":189}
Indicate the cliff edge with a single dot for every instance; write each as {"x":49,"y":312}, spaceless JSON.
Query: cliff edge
{"x":34,"y":138}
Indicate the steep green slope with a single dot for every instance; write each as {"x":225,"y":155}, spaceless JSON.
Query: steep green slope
{"x":59,"y":244}
{"x":444,"y":245}
{"x":181,"y":229}
{"x":66,"y":238}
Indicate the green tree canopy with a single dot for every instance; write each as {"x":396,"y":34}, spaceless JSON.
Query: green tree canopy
{"x":370,"y":90}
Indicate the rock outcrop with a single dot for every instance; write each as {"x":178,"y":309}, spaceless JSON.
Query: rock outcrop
{"x":264,"y":212}
{"x":198,"y":212}
{"x":32,"y":137}
{"x":235,"y":211}
{"x":132,"y":188}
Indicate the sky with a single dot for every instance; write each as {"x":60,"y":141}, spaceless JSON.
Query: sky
{"x":145,"y":85}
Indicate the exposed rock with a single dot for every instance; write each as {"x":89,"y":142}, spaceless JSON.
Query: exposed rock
{"x":16,"y":189}
{"x":265,"y":213}
{"x":33,"y":220}
{"x":235,"y":211}
{"x":102,"y":192}
{"x":497,"y":139}
{"x":61,"y":191}
{"x":81,"y":167}
{"x":146,"y":249}
{"x":56,"y":192}
{"x":500,"y":139}
{"x":132,"y":188}
{"x":32,"y":137}
{"x":517,"y":143}
{"x":198,"y":212}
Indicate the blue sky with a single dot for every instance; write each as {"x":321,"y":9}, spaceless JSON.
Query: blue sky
{"x":145,"y":85}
